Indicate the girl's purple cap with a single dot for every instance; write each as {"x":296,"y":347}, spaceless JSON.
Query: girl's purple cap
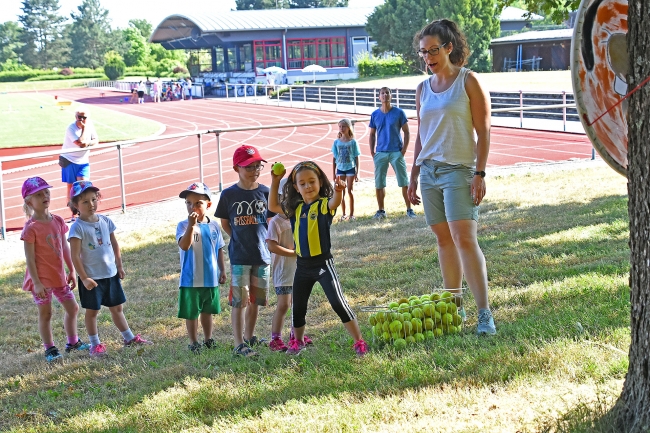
{"x":34,"y":185}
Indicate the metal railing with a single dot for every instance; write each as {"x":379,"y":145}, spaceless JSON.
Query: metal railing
{"x":121,"y":145}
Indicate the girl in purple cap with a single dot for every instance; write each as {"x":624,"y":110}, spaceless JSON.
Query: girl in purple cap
{"x":45,"y":253}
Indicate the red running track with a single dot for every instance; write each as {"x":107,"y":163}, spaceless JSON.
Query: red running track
{"x":158,"y":170}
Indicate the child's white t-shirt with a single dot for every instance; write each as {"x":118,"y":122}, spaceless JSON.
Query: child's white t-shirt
{"x":284,"y":267}
{"x":97,"y":253}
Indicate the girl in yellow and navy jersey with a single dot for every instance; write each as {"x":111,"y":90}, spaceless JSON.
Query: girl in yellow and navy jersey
{"x":310,"y":202}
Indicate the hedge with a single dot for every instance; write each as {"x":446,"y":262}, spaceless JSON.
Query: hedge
{"x":373,"y":67}
{"x":52,"y":77}
{"x":13,"y":76}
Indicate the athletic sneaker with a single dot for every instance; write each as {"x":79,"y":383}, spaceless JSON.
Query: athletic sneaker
{"x":410,"y":213}
{"x":485,"y":323}
{"x":254,"y":341}
{"x":245,"y":351}
{"x":360,"y":347}
{"x":137,"y":340}
{"x":210,"y":343}
{"x":295,"y":347}
{"x":98,"y":351}
{"x":380,"y":214}
{"x":195,"y":347}
{"x":308,"y":341}
{"x":52,"y":354}
{"x":277,"y":345}
{"x":77,"y":347}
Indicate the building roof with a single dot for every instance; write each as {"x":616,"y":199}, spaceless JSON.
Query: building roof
{"x":535,"y":36}
{"x":510,"y":13}
{"x":180,"y":25}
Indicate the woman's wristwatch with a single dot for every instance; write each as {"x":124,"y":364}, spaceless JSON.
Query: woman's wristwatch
{"x":479,"y":173}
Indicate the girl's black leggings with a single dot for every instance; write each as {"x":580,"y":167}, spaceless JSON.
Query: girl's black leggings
{"x":325,"y":274}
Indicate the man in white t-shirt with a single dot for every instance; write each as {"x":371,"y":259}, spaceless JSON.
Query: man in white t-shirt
{"x":76,"y":165}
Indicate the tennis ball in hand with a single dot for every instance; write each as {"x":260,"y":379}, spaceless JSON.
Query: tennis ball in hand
{"x":277,"y":168}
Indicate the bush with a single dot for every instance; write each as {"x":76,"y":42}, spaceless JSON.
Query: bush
{"x":370,"y":66}
{"x":53,"y":77}
{"x":14,"y":76}
{"x":66,"y":71}
{"x":114,"y":66}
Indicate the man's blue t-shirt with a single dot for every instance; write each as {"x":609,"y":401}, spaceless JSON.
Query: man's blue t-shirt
{"x":247,"y":211}
{"x":389,"y":127}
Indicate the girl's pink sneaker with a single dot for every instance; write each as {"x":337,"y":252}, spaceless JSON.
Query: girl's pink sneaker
{"x":360,"y":347}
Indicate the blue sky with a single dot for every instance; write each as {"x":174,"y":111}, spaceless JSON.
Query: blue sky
{"x":121,"y":11}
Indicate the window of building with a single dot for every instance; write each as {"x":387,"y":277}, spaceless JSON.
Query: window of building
{"x":200,"y":61}
{"x":326,"y":52}
{"x":268,"y":53}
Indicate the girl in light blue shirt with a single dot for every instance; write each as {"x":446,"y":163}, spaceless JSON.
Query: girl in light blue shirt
{"x":346,"y":162}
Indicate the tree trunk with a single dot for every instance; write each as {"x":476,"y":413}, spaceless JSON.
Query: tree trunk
{"x":633,"y":407}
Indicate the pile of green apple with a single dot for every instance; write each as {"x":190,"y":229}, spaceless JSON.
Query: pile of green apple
{"x":416,"y":319}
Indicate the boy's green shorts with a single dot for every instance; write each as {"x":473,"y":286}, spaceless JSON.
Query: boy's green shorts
{"x":193,"y":301}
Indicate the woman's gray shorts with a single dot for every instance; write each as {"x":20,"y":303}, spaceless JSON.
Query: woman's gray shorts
{"x":445,"y":190}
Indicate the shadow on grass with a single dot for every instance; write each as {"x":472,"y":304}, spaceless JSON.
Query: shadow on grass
{"x":548,"y":285}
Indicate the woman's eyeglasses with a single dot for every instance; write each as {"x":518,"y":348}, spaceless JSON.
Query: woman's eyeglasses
{"x":252,"y":168}
{"x":81,"y":117}
{"x":431,"y":51}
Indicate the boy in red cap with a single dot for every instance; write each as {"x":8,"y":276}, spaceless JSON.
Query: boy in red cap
{"x":243,"y":210}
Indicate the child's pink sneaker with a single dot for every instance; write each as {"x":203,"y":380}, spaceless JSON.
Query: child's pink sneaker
{"x":137,"y":340}
{"x":277,"y":345}
{"x":361,"y":347}
{"x":98,"y":351}
{"x":295,"y":347}
{"x":308,"y":341}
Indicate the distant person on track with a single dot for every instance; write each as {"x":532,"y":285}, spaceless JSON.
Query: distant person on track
{"x":449,"y":162}
{"x":188,"y":87}
{"x":142,"y":88}
{"x":76,"y":165}
{"x":387,"y":124}
{"x":345,"y":151}
{"x":156,"y":90}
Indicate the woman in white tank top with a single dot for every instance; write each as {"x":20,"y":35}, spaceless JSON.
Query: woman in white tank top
{"x":451,"y":151}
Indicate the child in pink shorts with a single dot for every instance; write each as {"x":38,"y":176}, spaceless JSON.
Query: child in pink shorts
{"x":45,"y":252}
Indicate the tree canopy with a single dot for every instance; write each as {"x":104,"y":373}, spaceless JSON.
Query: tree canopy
{"x":42,"y":32}
{"x":10,"y":42}
{"x":89,"y":35}
{"x":284,"y":4}
{"x":394,"y":24}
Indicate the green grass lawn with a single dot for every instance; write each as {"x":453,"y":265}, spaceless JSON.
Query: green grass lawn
{"x":27,"y":86}
{"x":32,"y":119}
{"x":558,"y":263}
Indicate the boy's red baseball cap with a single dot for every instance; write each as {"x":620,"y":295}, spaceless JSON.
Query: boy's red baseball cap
{"x":246,"y":155}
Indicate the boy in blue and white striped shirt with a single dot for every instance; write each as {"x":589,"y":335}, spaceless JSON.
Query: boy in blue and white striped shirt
{"x":203,"y":265}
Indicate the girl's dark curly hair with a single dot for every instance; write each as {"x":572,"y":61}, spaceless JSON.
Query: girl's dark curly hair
{"x":291,"y":198}
{"x":447,"y":31}
{"x":74,"y":201}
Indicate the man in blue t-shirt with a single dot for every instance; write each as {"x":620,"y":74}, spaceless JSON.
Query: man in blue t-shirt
{"x":387,"y":147}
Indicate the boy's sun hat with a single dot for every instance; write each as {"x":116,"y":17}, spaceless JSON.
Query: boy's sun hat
{"x":246,"y":155}
{"x":34,"y":185}
{"x":197,"y":188}
{"x":81,"y":186}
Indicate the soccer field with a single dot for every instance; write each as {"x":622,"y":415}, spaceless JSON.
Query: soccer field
{"x":33,"y":119}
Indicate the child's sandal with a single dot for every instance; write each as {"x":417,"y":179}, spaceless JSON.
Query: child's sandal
{"x":344,"y":217}
{"x":245,"y":351}
{"x":353,"y":218}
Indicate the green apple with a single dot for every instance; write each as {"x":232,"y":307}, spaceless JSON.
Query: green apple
{"x":399,"y":344}
{"x":277,"y":168}
{"x":419,"y":337}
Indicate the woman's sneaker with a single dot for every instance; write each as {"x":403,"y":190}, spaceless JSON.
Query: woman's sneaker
{"x":52,"y":354}
{"x":77,"y":347}
{"x":277,"y":345}
{"x":360,"y":347}
{"x":485,"y":323}
{"x":295,"y":347}
{"x":98,"y":351}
